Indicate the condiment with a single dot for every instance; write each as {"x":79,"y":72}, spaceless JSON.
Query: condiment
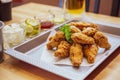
{"x":32,"y":27}
{"x":46,"y":24}
{"x":13,"y":34}
{"x":5,"y":10}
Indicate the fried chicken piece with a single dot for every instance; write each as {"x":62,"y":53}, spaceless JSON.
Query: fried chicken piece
{"x":63,"y":49}
{"x":74,"y":29}
{"x":54,"y":41}
{"x":89,"y":31}
{"x":82,"y":38}
{"x":94,"y":26}
{"x":82,"y":25}
{"x":76,"y":54}
{"x":90,"y":52}
{"x":102,"y":40}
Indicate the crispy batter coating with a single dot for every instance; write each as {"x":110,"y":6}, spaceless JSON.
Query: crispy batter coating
{"x":89,"y":31}
{"x":82,"y":25}
{"x":63,"y":49}
{"x":102,"y":40}
{"x":59,"y":35}
{"x":82,"y":38}
{"x":54,"y":41}
{"x":76,"y":54}
{"x":90,"y":52}
{"x":74,"y":29}
{"x":94,"y":26}
{"x":85,"y":41}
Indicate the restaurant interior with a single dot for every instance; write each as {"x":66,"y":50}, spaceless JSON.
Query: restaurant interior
{"x":59,"y":39}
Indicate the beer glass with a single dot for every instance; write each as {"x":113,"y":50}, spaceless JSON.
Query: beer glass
{"x":74,"y":7}
{"x":1,"y":41}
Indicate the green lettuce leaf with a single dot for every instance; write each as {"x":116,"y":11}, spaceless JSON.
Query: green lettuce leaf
{"x":66,"y":29}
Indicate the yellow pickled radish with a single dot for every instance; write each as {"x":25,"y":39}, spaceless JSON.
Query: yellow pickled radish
{"x":31,"y":21}
{"x":32,"y":27}
{"x":29,"y":29}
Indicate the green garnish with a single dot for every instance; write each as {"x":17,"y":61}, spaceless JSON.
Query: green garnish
{"x":66,"y":29}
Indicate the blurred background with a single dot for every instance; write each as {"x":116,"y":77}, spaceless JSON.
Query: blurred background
{"x":106,"y":7}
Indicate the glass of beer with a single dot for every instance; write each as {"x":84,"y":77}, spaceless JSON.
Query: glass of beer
{"x":74,"y":7}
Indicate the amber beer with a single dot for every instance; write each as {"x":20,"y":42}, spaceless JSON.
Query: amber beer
{"x":75,"y":6}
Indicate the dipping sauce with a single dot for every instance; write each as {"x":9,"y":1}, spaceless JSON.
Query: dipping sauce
{"x":46,"y":24}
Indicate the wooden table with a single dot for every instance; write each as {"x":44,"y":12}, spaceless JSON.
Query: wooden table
{"x":13,"y":69}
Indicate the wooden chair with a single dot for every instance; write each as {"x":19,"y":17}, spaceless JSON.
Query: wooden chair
{"x":115,"y":7}
{"x":60,"y":3}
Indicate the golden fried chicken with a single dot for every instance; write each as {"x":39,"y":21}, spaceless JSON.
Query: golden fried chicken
{"x":93,"y":26}
{"x":54,"y":41}
{"x":76,"y":54}
{"x":78,"y":40}
{"x":59,"y":35}
{"x":63,"y":49}
{"x":89,"y":31}
{"x":82,"y":25}
{"x":74,"y":29}
{"x":90,"y":52}
{"x":102,"y":40}
{"x":82,"y":38}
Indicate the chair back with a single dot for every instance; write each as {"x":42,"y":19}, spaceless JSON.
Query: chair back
{"x":115,"y":6}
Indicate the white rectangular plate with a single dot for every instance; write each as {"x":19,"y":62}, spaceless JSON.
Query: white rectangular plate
{"x":31,"y":51}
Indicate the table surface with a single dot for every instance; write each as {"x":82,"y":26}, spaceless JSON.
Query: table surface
{"x":14,"y":69}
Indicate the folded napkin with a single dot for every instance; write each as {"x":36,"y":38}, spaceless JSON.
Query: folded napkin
{"x":48,"y":56}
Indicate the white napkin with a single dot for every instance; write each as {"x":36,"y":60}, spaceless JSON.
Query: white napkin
{"x":48,"y":56}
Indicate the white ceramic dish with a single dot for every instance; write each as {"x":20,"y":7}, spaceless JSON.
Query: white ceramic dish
{"x":31,"y":51}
